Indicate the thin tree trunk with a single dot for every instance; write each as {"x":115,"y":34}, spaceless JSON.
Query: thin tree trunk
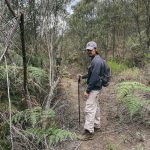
{"x":147,"y":8}
{"x":10,"y":117}
{"x":21,"y":19}
{"x":25,"y":81}
{"x":114,"y":40}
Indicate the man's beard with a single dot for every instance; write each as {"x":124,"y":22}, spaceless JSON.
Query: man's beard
{"x":90,"y":55}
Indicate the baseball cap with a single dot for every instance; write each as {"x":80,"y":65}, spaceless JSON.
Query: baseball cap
{"x":91,"y":45}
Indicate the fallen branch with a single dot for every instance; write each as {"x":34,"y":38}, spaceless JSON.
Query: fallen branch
{"x":27,"y":140}
{"x":78,"y":146}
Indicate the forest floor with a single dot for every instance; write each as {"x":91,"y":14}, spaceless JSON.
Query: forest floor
{"x":116,"y":134}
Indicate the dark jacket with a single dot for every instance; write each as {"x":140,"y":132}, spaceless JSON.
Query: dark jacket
{"x":94,"y":72}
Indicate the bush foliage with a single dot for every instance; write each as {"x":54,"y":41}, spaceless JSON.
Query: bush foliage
{"x":133,"y":102}
{"x":36,"y":125}
{"x":116,"y":68}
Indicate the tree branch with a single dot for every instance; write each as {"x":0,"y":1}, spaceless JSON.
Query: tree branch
{"x":10,"y":36}
{"x":10,"y":8}
{"x":51,"y":93}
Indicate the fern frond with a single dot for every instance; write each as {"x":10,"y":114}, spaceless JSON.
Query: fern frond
{"x":37,"y":74}
{"x":13,"y":72}
{"x":16,"y":58}
{"x":49,"y":113}
{"x":125,"y":88}
{"x":33,"y":116}
{"x":125,"y":95}
{"x":61,"y":135}
{"x":134,"y":104}
{"x":53,"y":135}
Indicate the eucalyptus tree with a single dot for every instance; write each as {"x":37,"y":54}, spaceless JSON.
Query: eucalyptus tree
{"x":51,"y":14}
{"x":43,"y":26}
{"x":120,"y":27}
{"x":80,"y":29}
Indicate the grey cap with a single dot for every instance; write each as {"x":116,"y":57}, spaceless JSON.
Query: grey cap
{"x":91,"y":45}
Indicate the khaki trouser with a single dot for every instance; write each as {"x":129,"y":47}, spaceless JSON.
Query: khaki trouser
{"x":92,"y":112}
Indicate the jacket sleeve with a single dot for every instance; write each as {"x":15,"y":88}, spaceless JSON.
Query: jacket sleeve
{"x":85,"y":76}
{"x":95,"y":75}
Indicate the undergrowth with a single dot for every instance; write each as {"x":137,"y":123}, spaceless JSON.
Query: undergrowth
{"x":133,"y":102}
{"x":38,"y":126}
{"x":37,"y":82}
{"x":116,"y":68}
{"x":132,"y":74}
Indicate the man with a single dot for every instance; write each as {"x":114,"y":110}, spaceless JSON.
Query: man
{"x":94,"y":85}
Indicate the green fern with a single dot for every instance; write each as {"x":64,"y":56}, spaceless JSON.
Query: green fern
{"x":125,"y":88}
{"x":37,"y":74}
{"x":126,"y":96}
{"x":4,"y":107}
{"x":34,"y":73}
{"x":37,"y":81}
{"x":134,"y":104}
{"x":53,"y":135}
{"x":34,"y":118}
{"x":17,"y":59}
{"x":13,"y":72}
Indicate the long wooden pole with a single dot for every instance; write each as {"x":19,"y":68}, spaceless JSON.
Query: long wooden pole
{"x":79,"y":99}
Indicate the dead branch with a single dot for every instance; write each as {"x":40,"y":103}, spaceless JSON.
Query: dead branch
{"x":38,"y":86}
{"x":26,"y":139}
{"x":10,"y":37}
{"x":10,"y":8}
{"x":78,"y":146}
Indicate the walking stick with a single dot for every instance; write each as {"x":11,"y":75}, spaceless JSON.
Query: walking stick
{"x":79,"y":99}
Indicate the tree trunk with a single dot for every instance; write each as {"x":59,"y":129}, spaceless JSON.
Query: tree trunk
{"x":147,"y":7}
{"x":114,"y":40}
{"x":25,"y":81}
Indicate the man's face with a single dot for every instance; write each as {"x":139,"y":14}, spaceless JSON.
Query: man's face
{"x":91,"y":53}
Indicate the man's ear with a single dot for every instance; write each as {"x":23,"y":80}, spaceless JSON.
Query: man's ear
{"x":96,"y":50}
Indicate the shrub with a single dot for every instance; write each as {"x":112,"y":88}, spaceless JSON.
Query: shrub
{"x":129,"y":74}
{"x":37,"y":125}
{"x":116,"y":68}
{"x":37,"y":81}
{"x":133,"y":102}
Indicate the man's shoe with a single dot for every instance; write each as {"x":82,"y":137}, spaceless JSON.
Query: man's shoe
{"x":97,"y":129}
{"x":86,"y":136}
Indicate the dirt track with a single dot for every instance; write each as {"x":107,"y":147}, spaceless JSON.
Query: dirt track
{"x":115,"y":134}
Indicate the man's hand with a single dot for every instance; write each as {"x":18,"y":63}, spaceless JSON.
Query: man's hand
{"x":79,"y":76}
{"x":86,"y":95}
